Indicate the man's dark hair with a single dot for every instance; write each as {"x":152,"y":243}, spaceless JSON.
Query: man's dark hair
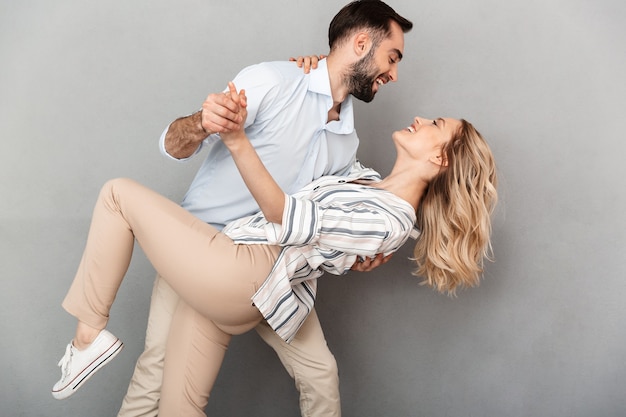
{"x":372,"y":15}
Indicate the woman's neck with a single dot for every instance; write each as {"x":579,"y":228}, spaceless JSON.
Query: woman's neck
{"x":405,"y":185}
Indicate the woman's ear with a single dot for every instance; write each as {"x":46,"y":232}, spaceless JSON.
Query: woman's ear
{"x":440,"y":160}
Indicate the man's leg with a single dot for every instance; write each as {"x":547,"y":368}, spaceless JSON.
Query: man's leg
{"x":311,"y":364}
{"x":144,"y":391}
{"x":195,"y":352}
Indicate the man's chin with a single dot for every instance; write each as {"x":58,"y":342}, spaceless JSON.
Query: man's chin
{"x":365,"y":97}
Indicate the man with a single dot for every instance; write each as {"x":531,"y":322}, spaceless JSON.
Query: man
{"x":302,"y":127}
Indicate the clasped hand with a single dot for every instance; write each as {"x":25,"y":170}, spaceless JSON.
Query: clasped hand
{"x":236,"y":103}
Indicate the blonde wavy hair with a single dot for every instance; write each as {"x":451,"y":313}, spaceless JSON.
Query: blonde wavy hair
{"x":454,"y":215}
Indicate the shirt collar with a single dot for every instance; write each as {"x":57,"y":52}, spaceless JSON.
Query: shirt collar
{"x":320,"y":83}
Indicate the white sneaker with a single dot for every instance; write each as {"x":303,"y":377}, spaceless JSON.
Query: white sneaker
{"x":77,"y":366}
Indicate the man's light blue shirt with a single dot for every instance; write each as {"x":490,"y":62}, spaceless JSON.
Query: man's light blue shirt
{"x":287,"y":124}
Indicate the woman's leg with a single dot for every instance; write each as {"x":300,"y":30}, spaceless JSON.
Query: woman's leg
{"x":208,"y":271}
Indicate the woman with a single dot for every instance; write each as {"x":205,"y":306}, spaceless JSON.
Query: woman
{"x":443,"y":181}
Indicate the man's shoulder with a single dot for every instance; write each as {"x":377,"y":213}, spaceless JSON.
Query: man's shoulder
{"x":276,"y":71}
{"x":287,"y":67}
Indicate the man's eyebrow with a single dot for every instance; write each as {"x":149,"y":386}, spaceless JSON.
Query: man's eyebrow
{"x":397,"y":51}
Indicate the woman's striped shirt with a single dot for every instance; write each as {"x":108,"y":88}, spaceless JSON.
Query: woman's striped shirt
{"x":325,"y":227}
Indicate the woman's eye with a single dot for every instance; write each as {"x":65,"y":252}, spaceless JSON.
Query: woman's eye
{"x":435,"y":122}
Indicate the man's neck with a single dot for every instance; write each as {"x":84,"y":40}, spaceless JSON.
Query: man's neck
{"x":336,"y":71}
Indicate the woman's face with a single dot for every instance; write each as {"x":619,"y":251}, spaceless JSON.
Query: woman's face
{"x":425,"y":137}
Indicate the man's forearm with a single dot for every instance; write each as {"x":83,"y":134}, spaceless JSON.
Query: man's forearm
{"x":185,"y":135}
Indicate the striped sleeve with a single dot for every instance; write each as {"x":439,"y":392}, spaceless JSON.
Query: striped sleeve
{"x":353,"y":227}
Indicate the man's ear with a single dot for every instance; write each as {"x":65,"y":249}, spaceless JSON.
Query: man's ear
{"x":440,"y":160}
{"x":362,"y":43}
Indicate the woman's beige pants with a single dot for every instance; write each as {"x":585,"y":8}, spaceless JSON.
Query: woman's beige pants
{"x":214,"y":278}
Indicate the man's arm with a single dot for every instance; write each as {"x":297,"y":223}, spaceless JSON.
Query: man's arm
{"x":218,"y":115}
{"x":185,"y":134}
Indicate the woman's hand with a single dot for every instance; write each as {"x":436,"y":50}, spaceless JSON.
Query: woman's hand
{"x":307,"y":62}
{"x":238,"y":102}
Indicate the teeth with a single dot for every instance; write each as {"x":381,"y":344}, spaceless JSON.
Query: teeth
{"x":410,"y":129}
{"x":379,"y":81}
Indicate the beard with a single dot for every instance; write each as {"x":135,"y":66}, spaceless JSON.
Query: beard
{"x":362,"y":77}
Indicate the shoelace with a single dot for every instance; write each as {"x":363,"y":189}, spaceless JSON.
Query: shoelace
{"x":66,"y":361}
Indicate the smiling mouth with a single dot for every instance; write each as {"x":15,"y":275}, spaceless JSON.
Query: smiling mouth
{"x":411,"y":129}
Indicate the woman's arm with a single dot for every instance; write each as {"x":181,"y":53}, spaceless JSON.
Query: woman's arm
{"x":267,"y":193}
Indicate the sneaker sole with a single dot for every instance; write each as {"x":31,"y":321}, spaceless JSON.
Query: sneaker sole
{"x":106,"y":357}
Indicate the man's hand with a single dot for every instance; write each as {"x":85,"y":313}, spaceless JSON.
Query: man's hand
{"x":367,"y":264}
{"x":307,"y":62}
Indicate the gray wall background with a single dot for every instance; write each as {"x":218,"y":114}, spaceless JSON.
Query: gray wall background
{"x":86,"y":88}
